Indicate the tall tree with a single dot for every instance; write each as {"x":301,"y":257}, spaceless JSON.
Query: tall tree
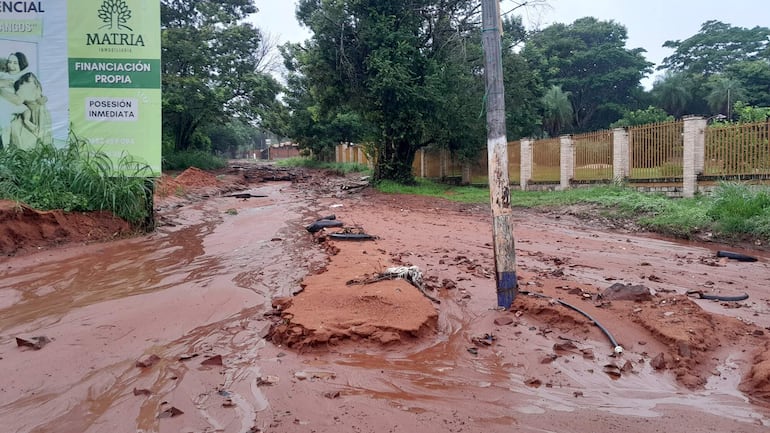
{"x":673,"y":92}
{"x":213,"y":68}
{"x":588,"y":58}
{"x":403,"y":66}
{"x":754,"y":77}
{"x":523,"y":85}
{"x":716,"y":46}
{"x":557,"y":111}
{"x":723,"y":93}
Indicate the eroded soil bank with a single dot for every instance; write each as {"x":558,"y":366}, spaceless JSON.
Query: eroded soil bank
{"x":177,"y":331}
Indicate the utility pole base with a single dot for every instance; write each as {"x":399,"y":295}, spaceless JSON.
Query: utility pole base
{"x":507,"y":289}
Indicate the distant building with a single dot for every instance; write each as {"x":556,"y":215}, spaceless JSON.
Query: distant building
{"x":281,"y":151}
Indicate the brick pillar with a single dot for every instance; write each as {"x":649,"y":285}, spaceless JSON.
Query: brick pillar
{"x":526,"y":162}
{"x":694,"y":150}
{"x":567,"y":159}
{"x":620,"y":163}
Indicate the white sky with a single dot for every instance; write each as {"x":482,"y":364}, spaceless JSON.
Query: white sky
{"x":649,"y":22}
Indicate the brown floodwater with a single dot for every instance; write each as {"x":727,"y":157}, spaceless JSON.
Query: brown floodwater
{"x":200,"y":287}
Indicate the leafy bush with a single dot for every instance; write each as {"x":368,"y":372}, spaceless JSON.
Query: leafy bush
{"x":184,"y":159}
{"x":337,"y":167}
{"x":75,"y":178}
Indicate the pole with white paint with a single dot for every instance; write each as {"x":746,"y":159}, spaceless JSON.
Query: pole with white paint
{"x":497,"y":148}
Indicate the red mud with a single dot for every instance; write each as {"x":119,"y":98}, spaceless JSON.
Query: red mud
{"x":177,"y":331}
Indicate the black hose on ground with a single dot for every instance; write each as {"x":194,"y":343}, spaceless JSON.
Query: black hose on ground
{"x":702,"y":295}
{"x":617,"y":347}
{"x":736,"y":256}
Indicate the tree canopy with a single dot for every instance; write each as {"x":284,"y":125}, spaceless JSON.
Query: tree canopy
{"x":405,"y":73}
{"x":213,"y":67}
{"x":589,"y":60}
{"x":715,"y":47}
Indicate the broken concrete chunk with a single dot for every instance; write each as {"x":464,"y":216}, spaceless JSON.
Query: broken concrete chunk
{"x":36,"y":343}
{"x":170,"y":413}
{"x":215,"y":360}
{"x":147,"y":361}
{"x":627,"y":292}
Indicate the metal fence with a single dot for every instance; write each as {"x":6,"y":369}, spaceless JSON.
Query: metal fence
{"x":593,"y":155}
{"x":738,"y":150}
{"x":649,"y":153}
{"x":656,"y":151}
{"x":546,"y":160}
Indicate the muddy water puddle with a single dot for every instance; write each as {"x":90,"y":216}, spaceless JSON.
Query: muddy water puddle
{"x":186,"y":293}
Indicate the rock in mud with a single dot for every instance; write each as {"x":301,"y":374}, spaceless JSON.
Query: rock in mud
{"x":504,"y":321}
{"x":659,"y":362}
{"x":147,"y":361}
{"x":36,"y":343}
{"x":627,"y":292}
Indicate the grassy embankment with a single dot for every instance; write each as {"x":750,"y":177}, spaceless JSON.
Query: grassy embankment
{"x":75,"y":178}
{"x":733,"y":212}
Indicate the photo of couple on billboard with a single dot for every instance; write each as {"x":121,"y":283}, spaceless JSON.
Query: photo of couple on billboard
{"x":25,"y":120}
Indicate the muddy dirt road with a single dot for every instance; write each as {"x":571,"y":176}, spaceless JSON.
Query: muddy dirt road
{"x":195,"y":328}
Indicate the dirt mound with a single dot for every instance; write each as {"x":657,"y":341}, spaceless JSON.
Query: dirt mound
{"x":333,"y":308}
{"x":24,"y":228}
{"x":190,"y":179}
{"x":757,"y":383}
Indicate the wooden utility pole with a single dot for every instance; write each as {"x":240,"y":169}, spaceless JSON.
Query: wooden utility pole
{"x":497,"y":149}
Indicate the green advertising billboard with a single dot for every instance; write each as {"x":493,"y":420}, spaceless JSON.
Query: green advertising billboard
{"x":84,"y":68}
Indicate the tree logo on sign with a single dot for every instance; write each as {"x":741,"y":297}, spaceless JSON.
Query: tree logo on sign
{"x":115,"y":14}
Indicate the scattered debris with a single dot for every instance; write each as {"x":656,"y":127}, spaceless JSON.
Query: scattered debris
{"x":170,"y":413}
{"x":267,"y":380}
{"x":411,"y":274}
{"x":533,"y":382}
{"x":36,"y":343}
{"x":564,"y":348}
{"x":332,"y":394}
{"x":215,"y":360}
{"x":313,"y":375}
{"x":473,"y":351}
{"x":245,"y":195}
{"x":352,"y":234}
{"x":612,"y":371}
{"x":659,"y":362}
{"x":147,"y":361}
{"x":486,"y":340}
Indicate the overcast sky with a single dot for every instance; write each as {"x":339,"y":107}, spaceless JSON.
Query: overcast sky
{"x":649,"y":22}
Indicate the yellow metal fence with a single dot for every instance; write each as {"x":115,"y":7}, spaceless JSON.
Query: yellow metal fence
{"x":656,"y":151}
{"x":593,"y":155}
{"x":737,"y":150}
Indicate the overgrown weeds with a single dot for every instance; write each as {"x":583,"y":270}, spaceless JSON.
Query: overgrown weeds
{"x":75,"y":178}
{"x":336,"y":167}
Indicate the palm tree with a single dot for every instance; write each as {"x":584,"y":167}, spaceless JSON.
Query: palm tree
{"x":723,"y":93}
{"x":673,"y":92}
{"x":557,"y":112}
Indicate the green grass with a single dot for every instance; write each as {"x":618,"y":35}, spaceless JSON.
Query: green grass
{"x":734,"y":211}
{"x":184,"y":159}
{"x":75,"y":178}
{"x":337,"y":167}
